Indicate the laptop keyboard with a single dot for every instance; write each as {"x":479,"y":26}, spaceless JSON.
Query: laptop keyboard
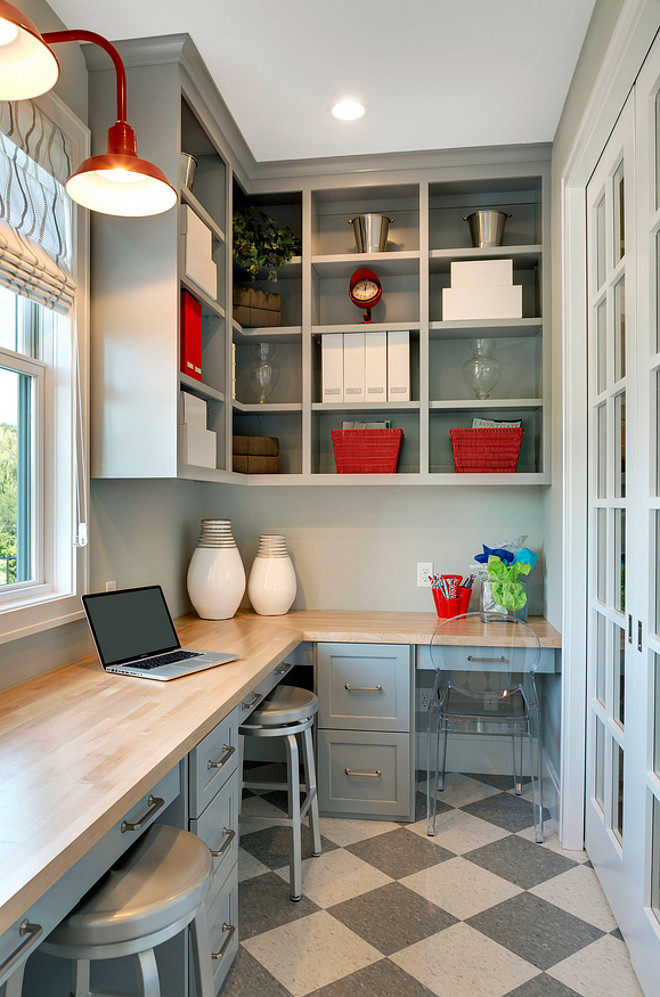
{"x":165,"y":659}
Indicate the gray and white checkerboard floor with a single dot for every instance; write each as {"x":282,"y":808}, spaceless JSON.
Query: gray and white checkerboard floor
{"x":478,"y":911}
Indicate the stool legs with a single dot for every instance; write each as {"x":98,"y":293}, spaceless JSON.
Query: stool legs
{"x":13,"y":987}
{"x":312,"y":791}
{"x":149,"y":974}
{"x":295,"y":850}
{"x":81,"y":986}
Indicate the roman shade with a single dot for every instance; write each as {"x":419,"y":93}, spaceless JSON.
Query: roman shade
{"x":35,"y":211}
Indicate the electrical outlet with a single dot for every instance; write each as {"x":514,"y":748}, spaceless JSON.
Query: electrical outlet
{"x":424,"y":572}
{"x":110,"y":586}
{"x":423,"y":698}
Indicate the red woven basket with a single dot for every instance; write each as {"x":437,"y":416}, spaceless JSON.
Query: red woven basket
{"x":480,"y":451}
{"x":366,"y":451}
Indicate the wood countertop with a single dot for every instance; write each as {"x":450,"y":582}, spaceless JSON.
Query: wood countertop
{"x":79,"y":747}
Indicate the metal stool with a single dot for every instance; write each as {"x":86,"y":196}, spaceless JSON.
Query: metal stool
{"x":156,"y":889}
{"x":286,"y":712}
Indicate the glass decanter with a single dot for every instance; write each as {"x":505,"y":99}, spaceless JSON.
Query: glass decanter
{"x":263,"y":374}
{"x":482,"y":372}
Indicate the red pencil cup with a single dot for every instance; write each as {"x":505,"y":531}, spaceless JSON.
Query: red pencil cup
{"x":447,"y":608}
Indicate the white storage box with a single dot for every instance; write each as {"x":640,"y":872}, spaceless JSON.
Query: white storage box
{"x":481,"y":273}
{"x":332,"y":367}
{"x":196,"y":252}
{"x":398,"y":366}
{"x":375,"y":367}
{"x":354,"y":383}
{"x":193,"y":410}
{"x":460,"y":303}
{"x":196,"y":446}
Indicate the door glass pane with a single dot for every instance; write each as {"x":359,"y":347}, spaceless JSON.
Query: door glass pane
{"x":601,"y":554}
{"x":656,"y":573}
{"x":655,"y":860}
{"x":601,"y":656}
{"x":657,"y":150}
{"x":618,"y":672}
{"x":620,"y":562}
{"x":601,"y":451}
{"x":656,"y":714}
{"x":620,"y":329}
{"x":617,"y":790}
{"x":619,"y":216}
{"x":599,"y":786}
{"x":601,"y":347}
{"x":600,"y":242}
{"x":620,"y":445}
{"x":15,"y":477}
{"x":657,"y":293}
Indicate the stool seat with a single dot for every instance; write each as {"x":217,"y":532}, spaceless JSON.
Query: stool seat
{"x":285,"y":704}
{"x":161,"y":879}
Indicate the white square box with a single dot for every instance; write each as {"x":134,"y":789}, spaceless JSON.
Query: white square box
{"x":481,"y":273}
{"x":459,"y":303}
{"x":196,"y":252}
{"x":375,"y":367}
{"x":193,"y":410}
{"x":197,"y":446}
{"x":354,"y":383}
{"x":332,"y":367}
{"x":398,"y":366}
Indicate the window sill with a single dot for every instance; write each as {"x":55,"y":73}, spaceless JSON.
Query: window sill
{"x":32,"y":615}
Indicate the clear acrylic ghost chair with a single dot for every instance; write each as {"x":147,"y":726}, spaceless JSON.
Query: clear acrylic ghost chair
{"x":490,"y":692}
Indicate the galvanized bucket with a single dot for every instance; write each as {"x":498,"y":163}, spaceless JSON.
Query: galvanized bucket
{"x":370,"y":232}
{"x":187,"y":167}
{"x":487,"y":227}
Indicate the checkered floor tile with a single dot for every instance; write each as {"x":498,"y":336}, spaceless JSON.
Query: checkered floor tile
{"x":479,"y":910}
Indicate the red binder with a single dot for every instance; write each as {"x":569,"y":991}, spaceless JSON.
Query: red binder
{"x":191,"y":336}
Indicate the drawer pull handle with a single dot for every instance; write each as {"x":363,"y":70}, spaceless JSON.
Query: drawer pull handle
{"x":229,"y":930}
{"x":365,"y":775}
{"x":33,"y":931}
{"x":230,"y":835}
{"x":500,"y":657}
{"x":250,"y":704}
{"x":227,"y":751}
{"x":154,"y":803}
{"x":363,"y":688}
{"x":283,"y":668}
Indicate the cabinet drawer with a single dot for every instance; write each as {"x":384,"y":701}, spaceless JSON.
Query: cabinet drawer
{"x":365,"y":774}
{"x":486,"y":659}
{"x":211,"y":762}
{"x":251,"y":701}
{"x":218,"y":827}
{"x":365,"y":686}
{"x":223,"y":928}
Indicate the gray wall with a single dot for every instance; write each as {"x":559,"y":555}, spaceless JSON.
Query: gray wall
{"x":72,"y":84}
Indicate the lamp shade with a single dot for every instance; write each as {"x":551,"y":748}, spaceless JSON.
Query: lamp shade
{"x":28,"y":67}
{"x":121,"y":184}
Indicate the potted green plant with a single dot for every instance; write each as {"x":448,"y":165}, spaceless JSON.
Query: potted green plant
{"x":260,"y":243}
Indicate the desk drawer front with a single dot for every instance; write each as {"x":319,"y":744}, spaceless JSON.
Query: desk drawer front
{"x":218,"y":828}
{"x":223,"y":929}
{"x":211,"y":763}
{"x":365,"y":773}
{"x":485,"y":659}
{"x":364,"y":686}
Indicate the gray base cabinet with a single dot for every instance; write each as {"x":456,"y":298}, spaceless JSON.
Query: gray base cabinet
{"x":365,"y":730}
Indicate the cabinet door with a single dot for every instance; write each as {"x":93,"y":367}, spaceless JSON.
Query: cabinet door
{"x":365,"y":686}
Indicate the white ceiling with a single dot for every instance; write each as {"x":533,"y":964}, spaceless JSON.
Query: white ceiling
{"x":435,"y":74}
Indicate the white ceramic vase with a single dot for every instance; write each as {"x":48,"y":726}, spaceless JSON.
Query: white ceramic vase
{"x":272,"y":585}
{"x":216,"y":576}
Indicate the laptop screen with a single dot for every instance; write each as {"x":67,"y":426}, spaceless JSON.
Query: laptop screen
{"x":130,"y":623}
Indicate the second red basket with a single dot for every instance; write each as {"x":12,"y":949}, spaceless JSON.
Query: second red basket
{"x":366,"y":451}
{"x":486,"y":450}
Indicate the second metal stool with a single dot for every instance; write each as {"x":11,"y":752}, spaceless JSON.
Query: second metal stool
{"x":287,"y":712}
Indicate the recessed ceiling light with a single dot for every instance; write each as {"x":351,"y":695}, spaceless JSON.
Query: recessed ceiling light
{"x":348,"y":110}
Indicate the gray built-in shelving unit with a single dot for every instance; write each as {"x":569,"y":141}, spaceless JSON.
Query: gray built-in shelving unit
{"x":137,"y":281}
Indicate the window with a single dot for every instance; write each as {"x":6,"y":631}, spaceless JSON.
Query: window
{"x":43,"y":317}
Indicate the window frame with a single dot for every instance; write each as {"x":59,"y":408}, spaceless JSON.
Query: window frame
{"x":54,"y":601}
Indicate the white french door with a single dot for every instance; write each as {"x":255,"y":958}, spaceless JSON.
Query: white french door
{"x":610,"y":826}
{"x":623,"y":693}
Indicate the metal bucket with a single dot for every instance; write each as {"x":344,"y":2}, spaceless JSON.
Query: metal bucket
{"x":370,"y":232}
{"x":487,"y":227}
{"x":187,"y":167}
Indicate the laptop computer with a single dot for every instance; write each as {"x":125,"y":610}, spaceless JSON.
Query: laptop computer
{"x":134,"y":635}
